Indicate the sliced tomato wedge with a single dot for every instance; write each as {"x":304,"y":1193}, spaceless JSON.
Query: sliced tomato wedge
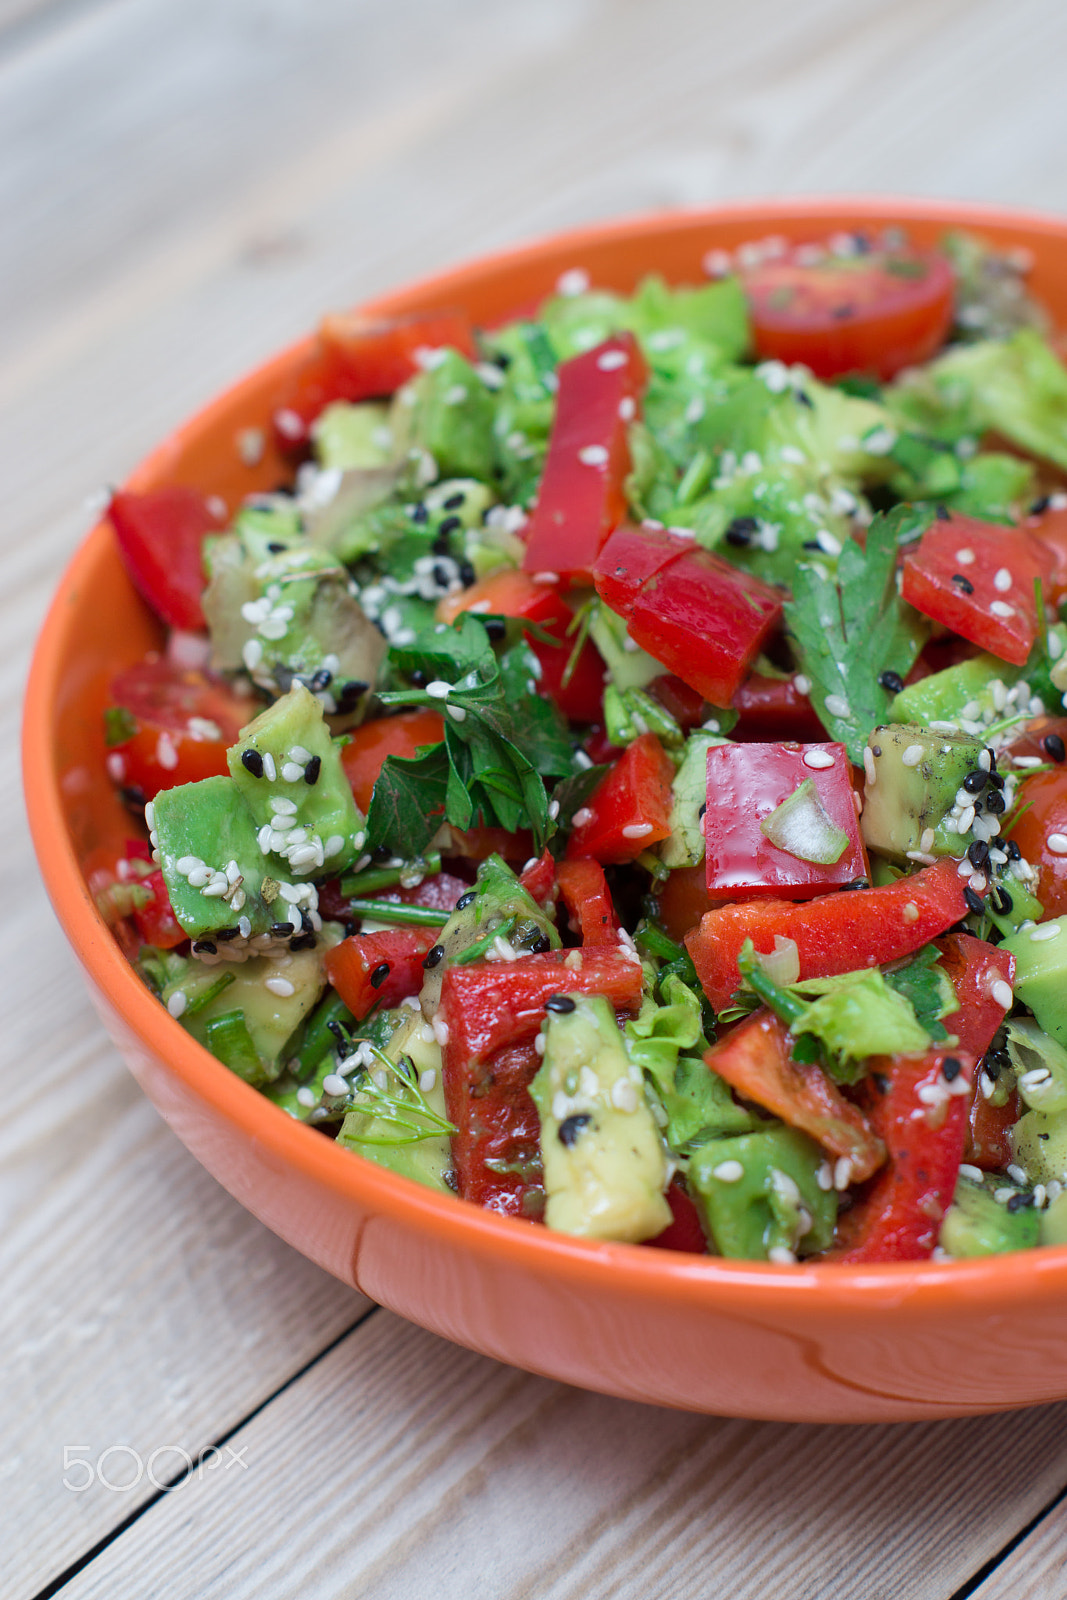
{"x":581,"y":497}
{"x":359,"y":359}
{"x":379,"y":969}
{"x":978,"y":580}
{"x":835,"y":933}
{"x":630,"y":809}
{"x":160,"y":536}
{"x":178,"y":724}
{"x":873,"y":312}
{"x":403,"y":735}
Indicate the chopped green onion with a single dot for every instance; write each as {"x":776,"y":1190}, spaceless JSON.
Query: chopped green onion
{"x":405,"y":916}
{"x":374,"y":878}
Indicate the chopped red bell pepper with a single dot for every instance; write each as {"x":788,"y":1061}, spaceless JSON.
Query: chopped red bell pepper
{"x":357,"y":359}
{"x":156,"y":922}
{"x":175,"y":726}
{"x":581,"y":497}
{"x":1049,"y":528}
{"x":441,"y":891}
{"x":585,"y":893}
{"x":685,"y":705}
{"x":684,"y":1231}
{"x":835,"y":933}
{"x":746,"y":783}
{"x":979,"y":973}
{"x":630,"y":809}
{"x":160,"y":536}
{"x":539,"y":878}
{"x":579,"y":692}
{"x":978,"y":580}
{"x":496,"y":1150}
{"x":755,"y":1059}
{"x":488,"y":1005}
{"x":703,"y":618}
{"x":917,"y":1107}
{"x":379,"y":969}
{"x":773,"y":708}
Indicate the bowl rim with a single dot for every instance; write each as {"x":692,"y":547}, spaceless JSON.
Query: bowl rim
{"x":1021,"y":1277}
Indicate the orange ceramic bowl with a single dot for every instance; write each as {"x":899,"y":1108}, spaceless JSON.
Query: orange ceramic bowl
{"x":813,"y":1343}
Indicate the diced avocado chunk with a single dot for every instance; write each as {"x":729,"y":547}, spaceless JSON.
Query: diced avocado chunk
{"x":497,"y":907}
{"x":1052,"y":1221}
{"x":916,"y":775}
{"x":760,"y":1193}
{"x":255,"y":992}
{"x":945,"y":696}
{"x":447,"y":412}
{"x":284,"y":612}
{"x":350,"y":436}
{"x":211,"y":862}
{"x":689,"y":795}
{"x":288,"y":769}
{"x":1041,"y":973}
{"x":1024,"y":907}
{"x":977,"y":1224}
{"x":697,"y":1103}
{"x":1039,"y":1144}
{"x":1039,"y":1064}
{"x":605,"y":1163}
{"x":398,"y":1140}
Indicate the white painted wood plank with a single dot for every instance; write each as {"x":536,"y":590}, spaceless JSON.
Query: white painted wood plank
{"x":402,"y":1469}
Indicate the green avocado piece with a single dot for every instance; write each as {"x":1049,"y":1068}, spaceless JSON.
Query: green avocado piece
{"x":685,"y":845}
{"x":288,"y":770}
{"x":498,"y":906}
{"x":976,"y":1224}
{"x":605,"y":1162}
{"x":760,"y":1192}
{"x":1041,"y":973}
{"x":348,"y":436}
{"x":428,"y":1160}
{"x":944,"y":696}
{"x":1039,"y":1064}
{"x":447,"y":412}
{"x":907,"y":803}
{"x":1039,"y":1144}
{"x":203,"y":828}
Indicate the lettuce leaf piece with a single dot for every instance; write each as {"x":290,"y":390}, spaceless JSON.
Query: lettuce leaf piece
{"x":698,"y":1104}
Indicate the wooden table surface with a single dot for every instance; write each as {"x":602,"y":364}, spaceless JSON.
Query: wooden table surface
{"x":185,"y":185}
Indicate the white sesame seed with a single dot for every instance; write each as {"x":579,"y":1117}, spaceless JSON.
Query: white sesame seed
{"x":1001,"y":608}
{"x":868,"y":765}
{"x":965,"y":557}
{"x":728,"y":1172}
{"x":440,"y":1030}
{"x":280,"y":986}
{"x":638,"y":830}
{"x":291,"y":772}
{"x":611,"y":360}
{"x":977,"y":882}
{"x":306,"y":1097}
{"x":1045,"y":930}
{"x":838,"y":706}
{"x":572,"y":282}
{"x":819,"y":760}
{"x":1002,"y":580}
{"x":593,"y":455}
{"x":270,"y":771}
{"x":624,"y":1095}
{"x":334,"y":1084}
{"x":973,"y":1173}
{"x":581,"y":817}
{"x":282,"y":806}
{"x":1016,"y":1173}
{"x":781,"y":1255}
{"x":842,"y":1172}
{"x":439,"y":689}
{"x":1057,"y":843}
{"x":177,"y":1003}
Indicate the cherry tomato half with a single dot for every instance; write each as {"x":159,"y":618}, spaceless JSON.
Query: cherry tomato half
{"x":179,"y":724}
{"x":873,"y":313}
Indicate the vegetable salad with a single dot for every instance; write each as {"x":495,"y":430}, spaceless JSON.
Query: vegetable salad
{"x":619,"y":779}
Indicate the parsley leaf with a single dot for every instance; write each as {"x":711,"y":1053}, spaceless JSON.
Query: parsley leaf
{"x":408,"y":802}
{"x":928,"y":989}
{"x":849,"y":631}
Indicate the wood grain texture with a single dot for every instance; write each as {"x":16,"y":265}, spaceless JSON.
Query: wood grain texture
{"x":425,"y":1470}
{"x":189,"y":186}
{"x":1037,"y":1568}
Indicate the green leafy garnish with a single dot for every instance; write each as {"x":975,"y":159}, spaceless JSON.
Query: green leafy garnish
{"x":927,"y":989}
{"x":389,"y":1093}
{"x":849,"y":632}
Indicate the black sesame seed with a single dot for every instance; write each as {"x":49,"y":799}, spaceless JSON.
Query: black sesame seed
{"x":276,"y":547}
{"x":344,"y":1043}
{"x":943,"y":513}
{"x":974,"y":901}
{"x":434,"y":957}
{"x":321,"y":680}
{"x":454,"y":501}
{"x":572,"y":1127}
{"x":1039,"y":505}
{"x":995,"y":803}
{"x":858,"y":883}
{"x":1054,"y":746}
{"x":702,"y":811}
{"x":204,"y":947}
{"x":740,"y":531}
{"x":811,"y":544}
{"x":950,"y":1069}
{"x":252,"y":762}
{"x":996,"y":778}
{"x":882,"y":1081}
{"x":450,"y":525}
{"x":381,"y":852}
{"x":467,"y":574}
{"x":803,"y":399}
{"x":420,"y":513}
{"x":132,"y":795}
{"x":963,"y":583}
{"x":540,"y":945}
{"x":441,"y":546}
{"x":891,"y":681}
{"x":876,"y":750}
{"x":1003,"y":904}
{"x":495,"y":629}
{"x":226,"y":934}
{"x":466,"y":900}
{"x":561,"y":1004}
{"x":281,"y":930}
{"x":1011,"y":850}
{"x":441,"y":576}
{"x":305,"y":921}
{"x":419,"y":680}
{"x":312,"y":770}
{"x":1018,"y":1202}
{"x":978,"y":853}
{"x":379,"y":975}
{"x":303,"y":941}
{"x":975,"y":781}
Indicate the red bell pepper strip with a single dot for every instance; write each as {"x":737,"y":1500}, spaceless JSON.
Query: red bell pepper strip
{"x":630,"y":559}
{"x":539,"y":878}
{"x":488,"y":1005}
{"x":773,"y":708}
{"x":835,"y":933}
{"x":915,"y":1109}
{"x":496,"y":1151}
{"x":979,"y":973}
{"x":684,"y":1231}
{"x":630,"y":809}
{"x":685,"y":705}
{"x":379,"y":969}
{"x":357,"y":359}
{"x":978,"y":580}
{"x":585,"y":893}
{"x":156,"y":922}
{"x":160,"y":536}
{"x":178,"y":724}
{"x":746,"y":782}
{"x":579,"y":691}
{"x":581,"y":497}
{"x":754,"y":1058}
